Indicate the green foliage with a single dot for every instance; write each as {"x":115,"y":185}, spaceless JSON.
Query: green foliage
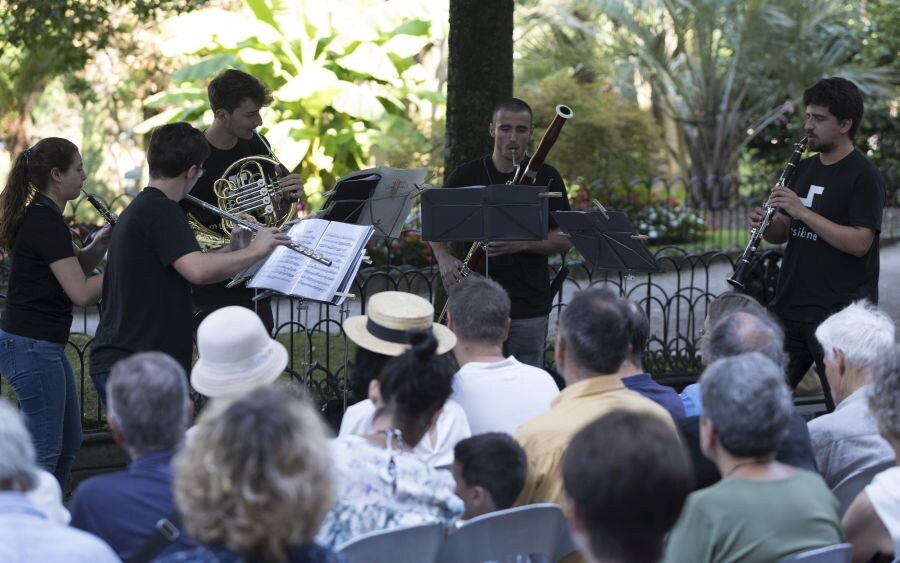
{"x":343,"y":77}
{"x":723,"y":70}
{"x":655,"y":211}
{"x":608,"y":137}
{"x":40,"y":41}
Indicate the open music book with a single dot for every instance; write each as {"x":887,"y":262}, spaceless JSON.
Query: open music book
{"x":291,"y":273}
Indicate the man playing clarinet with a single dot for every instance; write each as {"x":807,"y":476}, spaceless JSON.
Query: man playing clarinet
{"x":830,"y":219}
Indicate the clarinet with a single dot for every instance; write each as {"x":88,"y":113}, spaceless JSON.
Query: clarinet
{"x":102,"y":209}
{"x":304,"y":250}
{"x":742,"y":270}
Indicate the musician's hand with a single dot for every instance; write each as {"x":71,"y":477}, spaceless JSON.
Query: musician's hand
{"x":499,"y":248}
{"x":787,"y":200}
{"x":241,"y":236}
{"x":449,"y":271}
{"x":267,"y":239}
{"x":292,"y":185}
{"x":756,"y":217}
{"x":102,"y":236}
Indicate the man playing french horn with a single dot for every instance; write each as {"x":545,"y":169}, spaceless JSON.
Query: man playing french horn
{"x":236,"y":99}
{"x":519,"y":266}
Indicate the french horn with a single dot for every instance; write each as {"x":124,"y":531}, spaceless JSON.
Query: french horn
{"x":246,"y":186}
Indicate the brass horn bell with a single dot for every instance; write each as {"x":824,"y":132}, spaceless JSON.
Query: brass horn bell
{"x":246,"y":187}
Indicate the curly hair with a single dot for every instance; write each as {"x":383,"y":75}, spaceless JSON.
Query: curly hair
{"x":256,"y":475}
{"x":884,"y":396}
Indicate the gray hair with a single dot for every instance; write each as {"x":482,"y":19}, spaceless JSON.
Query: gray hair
{"x":261,"y":459}
{"x":742,"y":332}
{"x":747,"y":401}
{"x":884,"y":395}
{"x":860,"y":331}
{"x":595,"y":327}
{"x":479,"y":308}
{"x":17,"y":465}
{"x":147,"y":396}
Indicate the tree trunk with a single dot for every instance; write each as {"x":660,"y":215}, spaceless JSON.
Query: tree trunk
{"x":18,"y":125}
{"x":479,"y":74}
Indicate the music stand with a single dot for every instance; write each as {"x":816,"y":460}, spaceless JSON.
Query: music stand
{"x":381,"y":197}
{"x":606,"y":240}
{"x":485,"y":213}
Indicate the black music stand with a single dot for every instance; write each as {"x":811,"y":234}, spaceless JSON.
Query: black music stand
{"x":485,"y":213}
{"x":381,"y":197}
{"x":606,"y":240}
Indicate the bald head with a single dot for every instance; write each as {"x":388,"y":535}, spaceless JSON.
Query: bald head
{"x":743,"y":332}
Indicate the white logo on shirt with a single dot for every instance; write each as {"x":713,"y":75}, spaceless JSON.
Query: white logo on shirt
{"x":814,"y":190}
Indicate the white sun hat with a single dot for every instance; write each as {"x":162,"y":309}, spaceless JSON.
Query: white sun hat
{"x":391,"y":317}
{"x":236,"y":354}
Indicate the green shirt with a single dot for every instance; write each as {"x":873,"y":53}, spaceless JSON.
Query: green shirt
{"x":755,"y":521}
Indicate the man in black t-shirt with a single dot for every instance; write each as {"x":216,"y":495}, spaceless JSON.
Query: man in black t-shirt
{"x":154,"y":257}
{"x":519,"y":266}
{"x":236,"y":99}
{"x":831,"y":219}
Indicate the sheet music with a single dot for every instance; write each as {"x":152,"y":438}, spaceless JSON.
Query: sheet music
{"x":292,"y":273}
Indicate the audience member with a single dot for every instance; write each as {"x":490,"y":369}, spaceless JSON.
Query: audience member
{"x":497,"y":393}
{"x":761,"y":510}
{"x":738,"y":333}
{"x":847,"y":440}
{"x":380,"y":336}
{"x":148,"y":409}
{"x":591,"y":346}
{"x":635,"y":377}
{"x":872,"y":522}
{"x":489,"y":470}
{"x":756,"y":337}
{"x":626,"y":478}
{"x":47,"y":497}
{"x":235,"y":353}
{"x":26,"y":534}
{"x":381,"y":484}
{"x":255,"y":482}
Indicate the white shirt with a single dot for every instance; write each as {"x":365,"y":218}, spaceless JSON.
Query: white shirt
{"x":884,"y":493}
{"x":499,"y":396}
{"x":436,"y":446}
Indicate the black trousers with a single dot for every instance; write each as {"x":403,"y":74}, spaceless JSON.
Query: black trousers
{"x":803,"y":350}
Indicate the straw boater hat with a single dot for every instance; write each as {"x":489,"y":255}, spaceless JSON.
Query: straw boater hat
{"x":236,"y":354}
{"x":392,"y":315}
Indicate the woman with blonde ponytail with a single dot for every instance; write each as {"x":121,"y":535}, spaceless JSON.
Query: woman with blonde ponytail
{"x":47,"y":275}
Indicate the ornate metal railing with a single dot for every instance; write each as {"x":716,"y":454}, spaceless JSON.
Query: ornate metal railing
{"x":675,"y":300}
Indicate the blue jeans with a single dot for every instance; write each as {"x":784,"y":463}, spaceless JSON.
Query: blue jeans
{"x":527,"y":339}
{"x":42,"y":378}
{"x":100,"y":379}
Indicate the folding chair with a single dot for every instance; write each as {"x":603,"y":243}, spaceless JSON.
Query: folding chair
{"x":412,"y":543}
{"x":838,"y":553}
{"x":852,"y":485}
{"x":539,"y":532}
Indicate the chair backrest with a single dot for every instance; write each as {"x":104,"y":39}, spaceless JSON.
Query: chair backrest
{"x":539,"y":531}
{"x":852,"y":485}
{"x":413,"y":543}
{"x":838,"y":553}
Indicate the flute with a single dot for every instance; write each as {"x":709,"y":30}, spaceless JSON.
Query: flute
{"x":304,"y":250}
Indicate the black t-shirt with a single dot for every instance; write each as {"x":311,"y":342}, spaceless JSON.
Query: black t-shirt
{"x":524,"y":274}
{"x":817,"y":279}
{"x":146,"y":302}
{"x":214,"y":167}
{"x":36,"y":306}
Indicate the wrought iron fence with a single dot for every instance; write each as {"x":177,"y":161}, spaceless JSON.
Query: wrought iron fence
{"x":320,"y":354}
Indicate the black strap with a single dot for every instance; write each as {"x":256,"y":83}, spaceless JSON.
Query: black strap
{"x":394,"y":335}
{"x":165,"y":532}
